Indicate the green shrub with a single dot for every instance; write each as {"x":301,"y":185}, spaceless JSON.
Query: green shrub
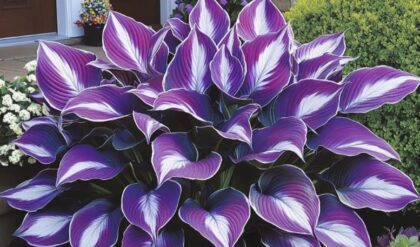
{"x":377,"y":32}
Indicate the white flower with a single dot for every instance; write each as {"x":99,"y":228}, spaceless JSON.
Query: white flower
{"x":45,"y":110}
{"x":14,"y":107}
{"x":35,"y":109}
{"x":24,"y":115}
{"x":15,"y":127}
{"x":10,"y":118}
{"x":2,"y":83}
{"x":3,"y":109}
{"x":30,"y":66}
{"x":15,"y":157}
{"x":16,"y":78}
{"x":19,"y":97}
{"x":31,"y":160}
{"x":7,"y":100}
{"x":31,"y":78}
{"x":30,"y":90}
{"x":4,"y":149}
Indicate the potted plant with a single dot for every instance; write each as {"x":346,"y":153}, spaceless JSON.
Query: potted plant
{"x":93,"y":18}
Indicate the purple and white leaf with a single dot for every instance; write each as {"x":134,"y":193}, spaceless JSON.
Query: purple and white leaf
{"x":84,"y":162}
{"x":271,"y":237}
{"x":135,"y":237}
{"x":62,"y":72}
{"x":269,"y":143}
{"x":367,"y":89}
{"x":222,"y":220}
{"x":326,"y":66}
{"x":43,"y":142}
{"x":330,"y":43}
{"x":340,"y":226}
{"x":268,"y":66}
{"x":210,"y":18}
{"x":148,"y":125}
{"x":96,"y":224}
{"x":190,"y":68}
{"x":363,"y":182}
{"x":159,"y":52}
{"x":35,"y":193}
{"x":124,"y":139}
{"x":259,"y":17}
{"x":103,"y":103}
{"x":127,"y":43}
{"x":313,"y":101}
{"x":226,"y":71}
{"x":347,"y":137}
{"x":180,"y":158}
{"x":234,"y":45}
{"x":195,"y":104}
{"x":149,"y":91}
{"x":125,"y":77}
{"x":49,"y":120}
{"x":286,"y":198}
{"x":238,"y":127}
{"x":45,"y":228}
{"x":150,"y":210}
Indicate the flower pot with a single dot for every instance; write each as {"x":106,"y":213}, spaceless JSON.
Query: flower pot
{"x":93,"y":35}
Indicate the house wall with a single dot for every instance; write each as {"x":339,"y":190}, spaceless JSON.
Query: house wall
{"x":68,"y":12}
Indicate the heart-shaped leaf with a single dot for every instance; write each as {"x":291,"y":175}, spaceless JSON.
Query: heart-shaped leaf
{"x":210,"y":18}
{"x":286,"y":198}
{"x":150,"y":210}
{"x":174,"y":155}
{"x":221,"y":220}
{"x":259,"y":17}
{"x":135,"y":237}
{"x":96,"y":224}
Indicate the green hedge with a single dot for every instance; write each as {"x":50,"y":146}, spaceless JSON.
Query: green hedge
{"x":378,"y":32}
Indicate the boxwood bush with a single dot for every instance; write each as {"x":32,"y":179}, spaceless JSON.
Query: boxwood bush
{"x":378,"y":32}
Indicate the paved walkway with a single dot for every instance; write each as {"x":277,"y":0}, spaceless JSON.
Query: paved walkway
{"x":13,"y":58}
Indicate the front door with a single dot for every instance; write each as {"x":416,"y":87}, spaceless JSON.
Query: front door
{"x":145,"y":11}
{"x":25,"y":17}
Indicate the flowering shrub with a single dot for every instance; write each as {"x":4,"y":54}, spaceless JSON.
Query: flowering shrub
{"x":184,"y":7}
{"x":16,"y":107}
{"x":94,"y":12}
{"x":238,"y":119}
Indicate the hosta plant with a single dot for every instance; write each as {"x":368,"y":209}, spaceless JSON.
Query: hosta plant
{"x":206,"y":133}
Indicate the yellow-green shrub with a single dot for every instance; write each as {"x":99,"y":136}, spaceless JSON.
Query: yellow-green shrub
{"x":377,"y":32}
